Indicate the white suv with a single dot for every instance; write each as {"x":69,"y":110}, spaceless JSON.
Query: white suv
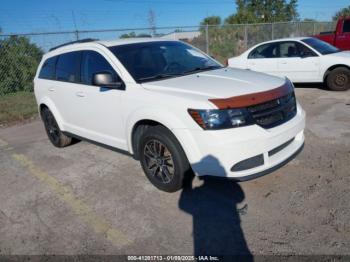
{"x":171,"y":106}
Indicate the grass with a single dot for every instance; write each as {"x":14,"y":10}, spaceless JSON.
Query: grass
{"x":17,"y":107}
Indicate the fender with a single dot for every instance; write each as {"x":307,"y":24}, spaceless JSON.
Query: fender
{"x":50,"y":104}
{"x":158,"y":114}
{"x":330,"y":68}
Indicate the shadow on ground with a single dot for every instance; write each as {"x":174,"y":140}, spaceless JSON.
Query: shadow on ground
{"x":320,"y":86}
{"x":216,"y":219}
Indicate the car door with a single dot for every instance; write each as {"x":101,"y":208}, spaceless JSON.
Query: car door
{"x":63,"y":90}
{"x":264,"y":58}
{"x":100,"y":108}
{"x":297,"y":62}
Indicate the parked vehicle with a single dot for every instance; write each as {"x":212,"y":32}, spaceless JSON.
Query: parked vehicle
{"x":339,"y":38}
{"x":171,"y":106}
{"x":302,"y":60}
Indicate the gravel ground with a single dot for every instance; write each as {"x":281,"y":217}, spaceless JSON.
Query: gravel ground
{"x":85,"y":199}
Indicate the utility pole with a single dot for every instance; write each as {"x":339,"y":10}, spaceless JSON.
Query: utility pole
{"x":207,"y":38}
{"x":152,"y":22}
{"x":75,"y":26}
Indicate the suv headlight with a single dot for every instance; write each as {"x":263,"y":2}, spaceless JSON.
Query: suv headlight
{"x":215,"y":119}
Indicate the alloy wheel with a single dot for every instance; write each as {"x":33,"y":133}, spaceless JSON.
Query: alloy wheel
{"x":159,"y":161}
{"x":52,"y":128}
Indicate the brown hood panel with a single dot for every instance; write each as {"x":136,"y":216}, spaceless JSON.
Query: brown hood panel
{"x":252,"y":99}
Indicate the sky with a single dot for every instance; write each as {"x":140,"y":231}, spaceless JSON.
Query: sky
{"x":24,"y":16}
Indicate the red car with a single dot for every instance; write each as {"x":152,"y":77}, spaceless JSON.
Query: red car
{"x":340,"y":37}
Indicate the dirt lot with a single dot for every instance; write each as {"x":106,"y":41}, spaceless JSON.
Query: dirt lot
{"x":86,"y":199}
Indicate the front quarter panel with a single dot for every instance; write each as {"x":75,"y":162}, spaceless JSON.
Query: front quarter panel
{"x":158,"y":114}
{"x":170,"y":110}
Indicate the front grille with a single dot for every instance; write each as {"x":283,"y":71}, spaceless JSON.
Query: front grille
{"x":275,"y":112}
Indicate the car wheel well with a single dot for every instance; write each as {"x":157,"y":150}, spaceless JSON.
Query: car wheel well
{"x":42,"y":107}
{"x":332,"y":68}
{"x":139,"y":128}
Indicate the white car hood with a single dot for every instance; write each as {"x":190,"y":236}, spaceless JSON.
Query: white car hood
{"x":220,"y":83}
{"x":343,"y":54}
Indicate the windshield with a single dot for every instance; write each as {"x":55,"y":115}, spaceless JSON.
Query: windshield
{"x":150,"y":61}
{"x":321,"y":46}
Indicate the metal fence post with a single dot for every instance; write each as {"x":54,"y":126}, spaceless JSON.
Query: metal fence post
{"x":314,"y":33}
{"x":207,"y":38}
{"x":246,"y":36}
{"x":77,"y":35}
{"x":272,"y":31}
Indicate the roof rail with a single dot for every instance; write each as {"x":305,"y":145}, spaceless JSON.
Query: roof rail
{"x":86,"y":40}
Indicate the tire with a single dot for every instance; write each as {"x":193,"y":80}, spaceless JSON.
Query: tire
{"x":163,"y":159}
{"x":338,"y":79}
{"x":54,"y":133}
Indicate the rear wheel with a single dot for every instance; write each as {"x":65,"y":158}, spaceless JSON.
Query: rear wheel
{"x":163,"y":159}
{"x":338,"y":79}
{"x":53,"y":131}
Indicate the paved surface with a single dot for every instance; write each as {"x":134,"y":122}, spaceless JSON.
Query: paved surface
{"x":89,"y":200}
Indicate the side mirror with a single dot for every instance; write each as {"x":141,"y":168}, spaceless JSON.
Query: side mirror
{"x":106,"y":80}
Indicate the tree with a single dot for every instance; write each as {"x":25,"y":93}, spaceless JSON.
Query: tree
{"x":19,"y":60}
{"x":342,"y":13}
{"x":128,"y":35}
{"x":309,"y":20}
{"x":264,"y":11}
{"x":134,"y":35}
{"x":211,"y":20}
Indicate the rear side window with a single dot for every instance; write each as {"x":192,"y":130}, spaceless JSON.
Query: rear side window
{"x":346,"y":26}
{"x":265,"y":51}
{"x":67,"y":67}
{"x":48,"y":69}
{"x":94,"y":63}
{"x":288,"y":49}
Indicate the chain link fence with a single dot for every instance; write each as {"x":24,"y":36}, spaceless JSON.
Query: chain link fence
{"x":20,"y":53}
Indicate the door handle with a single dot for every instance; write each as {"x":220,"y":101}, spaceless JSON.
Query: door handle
{"x":51,"y":89}
{"x":283,"y":63}
{"x":80,"y":94}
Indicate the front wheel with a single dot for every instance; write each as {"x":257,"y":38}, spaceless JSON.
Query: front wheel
{"x":338,"y":79}
{"x":163,"y":159}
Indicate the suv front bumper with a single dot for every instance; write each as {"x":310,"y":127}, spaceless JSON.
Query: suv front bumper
{"x":243,"y":153}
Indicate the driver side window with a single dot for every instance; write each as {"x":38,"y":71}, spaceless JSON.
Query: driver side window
{"x":93,"y":63}
{"x":288,"y":50}
{"x":294,"y":49}
{"x":304,"y":51}
{"x":264,"y":51}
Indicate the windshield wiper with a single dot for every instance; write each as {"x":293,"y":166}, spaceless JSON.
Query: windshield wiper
{"x":164,"y":75}
{"x":201,"y":69}
{"x":158,"y":76}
